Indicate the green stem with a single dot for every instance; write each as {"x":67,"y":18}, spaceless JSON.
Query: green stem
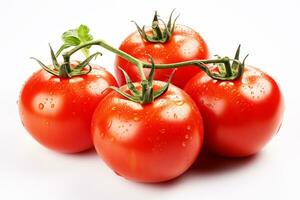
{"x":105,"y":45}
{"x":140,"y":64}
{"x":185,"y":63}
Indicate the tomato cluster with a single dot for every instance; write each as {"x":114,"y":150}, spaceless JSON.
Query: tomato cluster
{"x":148,"y":130}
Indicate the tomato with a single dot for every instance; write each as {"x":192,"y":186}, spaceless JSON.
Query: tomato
{"x":57,"y":111}
{"x":185,"y":44}
{"x":148,"y":142}
{"x":240,"y":116}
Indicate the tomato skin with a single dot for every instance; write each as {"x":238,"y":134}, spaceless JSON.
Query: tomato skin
{"x":148,"y":143}
{"x":57,"y":111}
{"x":241,"y":116}
{"x":185,"y":44}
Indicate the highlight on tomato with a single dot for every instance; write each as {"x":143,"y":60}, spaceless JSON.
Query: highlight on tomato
{"x":240,"y":116}
{"x":166,"y":43}
{"x":149,"y":131}
{"x":57,"y":102}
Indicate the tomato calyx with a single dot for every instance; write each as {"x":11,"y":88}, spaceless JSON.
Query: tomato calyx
{"x":147,"y":94}
{"x":159,"y":35}
{"x":231,"y":71}
{"x":65,"y":70}
{"x":71,"y":38}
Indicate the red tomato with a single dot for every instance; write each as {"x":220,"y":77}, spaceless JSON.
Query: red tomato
{"x":152,"y":142}
{"x":240,"y":116}
{"x":185,"y":44}
{"x":57,"y":111}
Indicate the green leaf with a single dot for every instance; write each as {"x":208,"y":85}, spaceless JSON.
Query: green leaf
{"x":83,"y":33}
{"x":70,"y":37}
{"x":75,"y":37}
{"x":85,"y":51}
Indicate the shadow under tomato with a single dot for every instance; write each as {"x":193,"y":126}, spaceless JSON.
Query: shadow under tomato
{"x":209,"y":165}
{"x":83,"y":154}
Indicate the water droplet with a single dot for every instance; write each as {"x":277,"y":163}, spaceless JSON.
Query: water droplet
{"x":136,"y":119}
{"x":41,"y":106}
{"x":114,"y":108}
{"x":162,"y":130}
{"x":187,"y":136}
{"x":188,"y":127}
{"x":47,"y":123}
{"x":52,"y":105}
{"x":73,"y":113}
{"x":179,"y":102}
{"x":183,"y":144}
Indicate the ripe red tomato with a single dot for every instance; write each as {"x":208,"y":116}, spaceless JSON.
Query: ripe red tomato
{"x":152,"y":142}
{"x":57,"y":112}
{"x":185,"y":44}
{"x":240,"y":116}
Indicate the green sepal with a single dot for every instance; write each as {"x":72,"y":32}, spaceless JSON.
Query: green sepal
{"x":64,"y":71}
{"x":80,"y":73}
{"x":158,"y":35}
{"x":147,"y":94}
{"x":129,"y":83}
{"x":163,"y":89}
{"x":46,"y":68}
{"x":53,"y":57}
{"x":171,"y":26}
{"x":242,"y":67}
{"x":62,"y":47}
{"x":235,"y":64}
{"x":84,"y":63}
{"x":124,"y":94}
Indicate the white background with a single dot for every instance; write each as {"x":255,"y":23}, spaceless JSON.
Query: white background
{"x":267,"y":30}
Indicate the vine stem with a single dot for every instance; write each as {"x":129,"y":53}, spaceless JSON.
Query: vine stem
{"x":202,"y":64}
{"x":105,"y":45}
{"x":185,"y":63}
